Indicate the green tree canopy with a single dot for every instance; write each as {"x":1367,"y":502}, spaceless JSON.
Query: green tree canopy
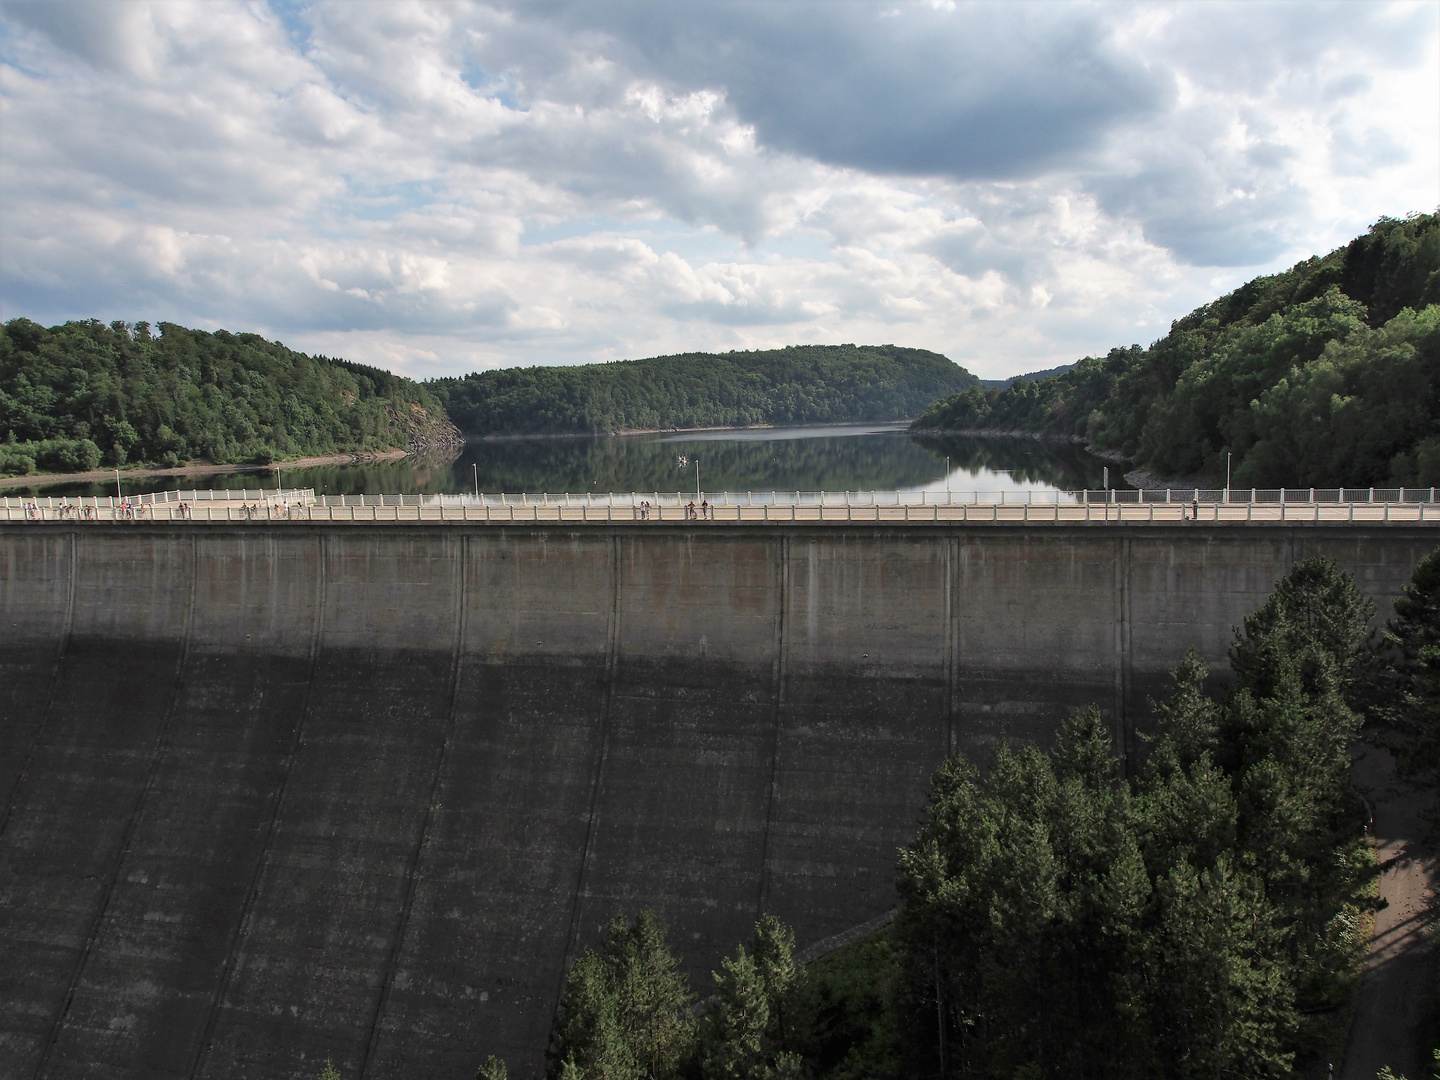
{"x":71,"y":395}
{"x":747,"y":1036}
{"x":1414,"y":666}
{"x":802,"y":384}
{"x":1326,"y":374}
{"x":1058,"y":920}
{"x":625,"y":1013}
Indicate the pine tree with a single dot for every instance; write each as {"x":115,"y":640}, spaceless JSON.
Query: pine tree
{"x":1414,"y":634}
{"x":747,"y":1030}
{"x":625,"y":1013}
{"x":1057,"y":921}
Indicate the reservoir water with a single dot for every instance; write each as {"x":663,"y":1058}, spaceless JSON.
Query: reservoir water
{"x":834,"y":458}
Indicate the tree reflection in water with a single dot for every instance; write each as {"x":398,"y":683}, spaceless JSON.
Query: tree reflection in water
{"x":819,"y":459}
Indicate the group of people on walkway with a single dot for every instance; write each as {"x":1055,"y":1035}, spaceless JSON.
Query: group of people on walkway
{"x":125,"y":510}
{"x":692,"y":512}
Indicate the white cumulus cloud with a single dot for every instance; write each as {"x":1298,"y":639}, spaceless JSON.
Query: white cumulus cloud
{"x":439,"y":186}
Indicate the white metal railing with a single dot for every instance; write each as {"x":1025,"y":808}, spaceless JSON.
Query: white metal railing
{"x":911,"y":497}
{"x":1160,"y":506}
{"x":153,"y":498}
{"x":854,"y":498}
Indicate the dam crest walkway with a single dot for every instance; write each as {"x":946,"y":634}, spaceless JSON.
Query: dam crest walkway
{"x":1278,"y":506}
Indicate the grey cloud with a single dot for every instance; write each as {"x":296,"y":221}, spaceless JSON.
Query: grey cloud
{"x":406,"y":147}
{"x":1185,"y":205}
{"x":981,"y":92}
{"x":106,"y":35}
{"x":1358,"y":153}
{"x":1250,"y":46}
{"x":987,"y":93}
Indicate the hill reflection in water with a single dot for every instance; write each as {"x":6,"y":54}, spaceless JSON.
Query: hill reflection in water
{"x":813,"y":459}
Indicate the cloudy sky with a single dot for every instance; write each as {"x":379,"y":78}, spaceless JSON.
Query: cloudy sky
{"x":439,"y":187}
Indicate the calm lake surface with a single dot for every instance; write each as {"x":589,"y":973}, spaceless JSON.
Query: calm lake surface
{"x":846,"y":458}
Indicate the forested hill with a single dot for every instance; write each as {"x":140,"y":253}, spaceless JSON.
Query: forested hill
{"x":1328,"y":373}
{"x":802,"y":384}
{"x":78,"y":395}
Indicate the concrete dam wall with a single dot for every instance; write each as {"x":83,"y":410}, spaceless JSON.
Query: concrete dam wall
{"x":277,"y":793}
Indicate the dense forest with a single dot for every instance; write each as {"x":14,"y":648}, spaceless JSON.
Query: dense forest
{"x":802,"y":384}
{"x":75,"y":396}
{"x":1326,"y":374}
{"x":1204,"y":915}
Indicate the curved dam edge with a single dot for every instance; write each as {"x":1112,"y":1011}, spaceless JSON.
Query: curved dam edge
{"x":277,"y":794}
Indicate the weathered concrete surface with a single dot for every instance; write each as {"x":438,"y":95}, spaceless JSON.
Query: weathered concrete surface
{"x":282,"y":793}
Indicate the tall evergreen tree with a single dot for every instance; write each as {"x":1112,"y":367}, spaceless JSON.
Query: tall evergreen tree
{"x":625,"y":1013}
{"x":1059,"y":921}
{"x":1020,"y":900}
{"x":747,"y":1033}
{"x":1414,"y":634}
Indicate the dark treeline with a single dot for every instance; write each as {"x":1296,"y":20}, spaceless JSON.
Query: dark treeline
{"x":802,"y":384}
{"x":75,"y":396}
{"x":1326,"y":374}
{"x":1202,"y":913}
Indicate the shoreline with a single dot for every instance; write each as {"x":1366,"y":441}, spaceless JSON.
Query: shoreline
{"x":1141,"y":479}
{"x":99,"y":475}
{"x":680,"y":431}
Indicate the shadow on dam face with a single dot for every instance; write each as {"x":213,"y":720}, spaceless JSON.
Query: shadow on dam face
{"x":276,"y":794}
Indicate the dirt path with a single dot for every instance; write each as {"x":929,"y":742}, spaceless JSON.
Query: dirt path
{"x":1397,"y":973}
{"x":100,"y":475}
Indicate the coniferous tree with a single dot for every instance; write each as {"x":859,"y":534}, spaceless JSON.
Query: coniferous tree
{"x":625,"y":1010}
{"x":1216,"y":996}
{"x":1020,"y":900}
{"x":1058,"y":921}
{"x":1414,"y":634}
{"x":747,"y":1036}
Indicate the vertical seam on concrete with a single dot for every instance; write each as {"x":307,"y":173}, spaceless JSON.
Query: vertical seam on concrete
{"x":1127,"y":658}
{"x":612,"y":648}
{"x":252,"y":892}
{"x":127,"y":837}
{"x":392,"y":962}
{"x":1120,"y":741}
{"x":778,"y":673}
{"x":952,"y":661}
{"x":44,"y":721}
